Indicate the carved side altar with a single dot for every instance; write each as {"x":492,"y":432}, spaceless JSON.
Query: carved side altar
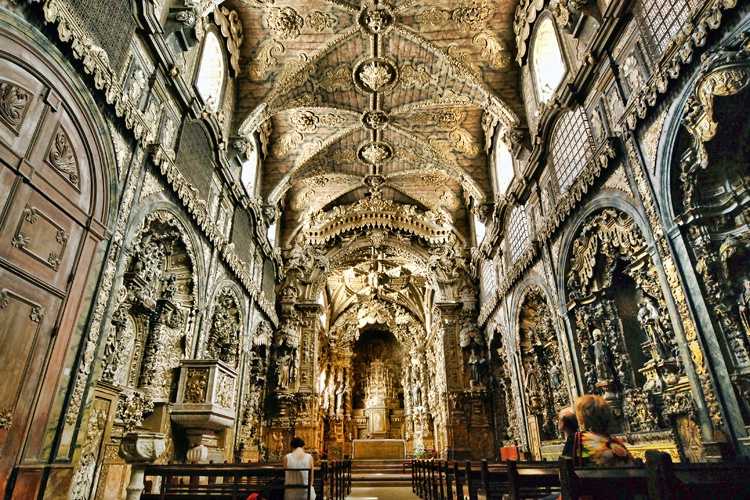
{"x":378,"y":448}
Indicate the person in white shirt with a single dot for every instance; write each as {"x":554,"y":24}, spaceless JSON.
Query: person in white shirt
{"x":298,"y":459}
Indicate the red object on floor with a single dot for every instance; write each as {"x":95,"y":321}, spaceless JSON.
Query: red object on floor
{"x":508,"y":453}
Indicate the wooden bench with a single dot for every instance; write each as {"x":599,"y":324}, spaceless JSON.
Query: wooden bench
{"x":602,"y":483}
{"x":217,"y":482}
{"x":532,"y":479}
{"x":335,"y":479}
{"x":439,"y":480}
{"x":668,"y":481}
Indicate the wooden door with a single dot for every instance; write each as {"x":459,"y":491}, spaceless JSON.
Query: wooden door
{"x":52,"y":197}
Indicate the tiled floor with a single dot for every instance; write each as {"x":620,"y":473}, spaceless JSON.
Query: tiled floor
{"x":382,"y":493}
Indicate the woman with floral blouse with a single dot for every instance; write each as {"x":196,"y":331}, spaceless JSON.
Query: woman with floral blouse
{"x":594,"y":445}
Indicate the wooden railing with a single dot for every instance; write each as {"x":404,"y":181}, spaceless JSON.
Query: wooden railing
{"x":659,"y":479}
{"x":336,"y":476}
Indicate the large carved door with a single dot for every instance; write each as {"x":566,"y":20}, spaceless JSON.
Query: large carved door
{"x":48,"y":221}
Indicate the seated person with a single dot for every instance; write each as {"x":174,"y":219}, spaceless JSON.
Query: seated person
{"x":594,"y":445}
{"x":567,"y":422}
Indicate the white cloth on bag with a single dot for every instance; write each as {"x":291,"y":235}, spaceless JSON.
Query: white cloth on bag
{"x":298,"y":477}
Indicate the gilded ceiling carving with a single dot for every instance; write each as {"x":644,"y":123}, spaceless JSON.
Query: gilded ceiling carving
{"x":376,"y":50}
{"x":284,"y":22}
{"x":320,"y":21}
{"x":526,"y":14}
{"x":338,"y":78}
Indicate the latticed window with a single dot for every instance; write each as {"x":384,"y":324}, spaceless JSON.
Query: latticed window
{"x":661,"y":21}
{"x":518,"y":232}
{"x":572,"y":146}
{"x":488,"y":283}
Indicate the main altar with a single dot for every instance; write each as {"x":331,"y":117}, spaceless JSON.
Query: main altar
{"x":378,"y":448}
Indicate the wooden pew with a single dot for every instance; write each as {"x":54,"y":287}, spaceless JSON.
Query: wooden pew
{"x":440,"y":480}
{"x":217,"y":482}
{"x":334,"y":480}
{"x":532,"y":479}
{"x":668,"y":481}
{"x":602,"y":483}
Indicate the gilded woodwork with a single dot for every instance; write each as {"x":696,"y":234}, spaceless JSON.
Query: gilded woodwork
{"x":394,"y":256}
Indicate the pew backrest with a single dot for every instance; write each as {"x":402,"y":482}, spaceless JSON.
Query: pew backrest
{"x":219,"y":482}
{"x":668,"y":481}
{"x":603,"y":483}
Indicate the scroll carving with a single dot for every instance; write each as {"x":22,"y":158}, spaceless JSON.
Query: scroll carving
{"x":14,"y":102}
{"x":63,"y":158}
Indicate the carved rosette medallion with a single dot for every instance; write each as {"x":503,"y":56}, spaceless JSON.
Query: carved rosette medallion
{"x":6,"y":418}
{"x":375,"y":153}
{"x":375,"y":75}
{"x":284,"y":22}
{"x":375,"y":120}
{"x":376,"y":20}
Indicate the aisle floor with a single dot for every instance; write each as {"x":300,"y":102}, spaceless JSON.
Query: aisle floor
{"x":382,"y":493}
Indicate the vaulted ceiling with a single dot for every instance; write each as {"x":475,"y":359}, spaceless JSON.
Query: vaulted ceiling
{"x":394,"y":99}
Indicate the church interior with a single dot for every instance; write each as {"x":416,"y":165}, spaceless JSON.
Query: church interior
{"x":400,"y":225}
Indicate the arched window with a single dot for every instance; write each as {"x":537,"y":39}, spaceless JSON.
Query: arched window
{"x":572,"y":145}
{"x":211,"y":72}
{"x":518,"y":232}
{"x":250,"y":167}
{"x":503,"y":166}
{"x":488,"y":279}
{"x":547,"y":62}
{"x":661,"y":21}
{"x":480,"y":229}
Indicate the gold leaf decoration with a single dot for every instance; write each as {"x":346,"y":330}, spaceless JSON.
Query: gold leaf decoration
{"x":472,"y":15}
{"x":304,"y":121}
{"x":375,"y":75}
{"x":415,"y":77}
{"x":319,"y":21}
{"x":433,"y":16}
{"x":495,"y":51}
{"x":286,"y":144}
{"x":337,"y":79}
{"x":264,"y":60}
{"x":284,"y":22}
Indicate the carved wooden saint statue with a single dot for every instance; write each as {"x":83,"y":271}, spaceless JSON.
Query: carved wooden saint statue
{"x":649,"y":318}
{"x":283,"y":370}
{"x":601,"y":357}
{"x":476,"y":367}
{"x":744,"y":305}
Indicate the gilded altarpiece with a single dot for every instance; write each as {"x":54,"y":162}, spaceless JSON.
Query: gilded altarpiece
{"x":541,"y":378}
{"x":624,"y":339}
